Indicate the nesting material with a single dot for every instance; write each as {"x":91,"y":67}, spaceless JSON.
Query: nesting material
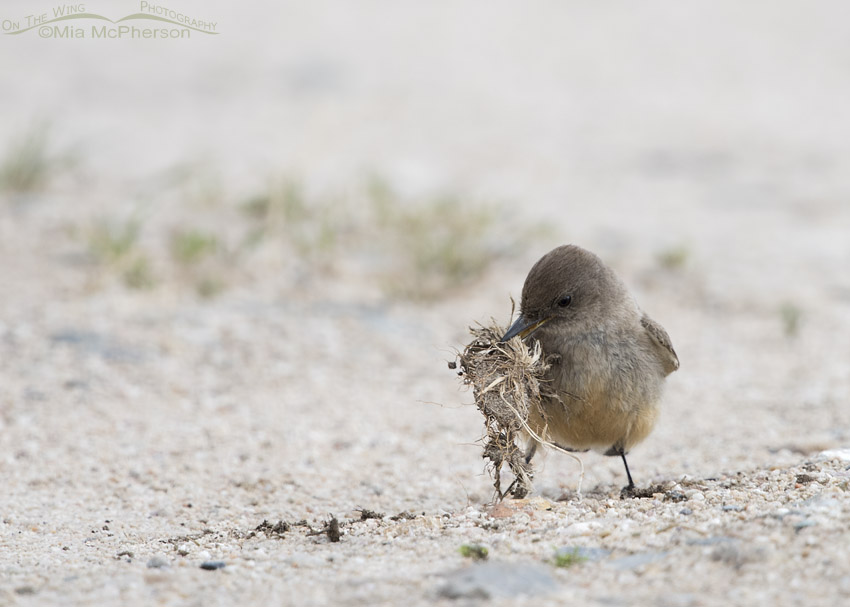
{"x":506,"y":380}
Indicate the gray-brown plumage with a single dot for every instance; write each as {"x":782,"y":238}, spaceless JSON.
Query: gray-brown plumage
{"x":608,"y":358}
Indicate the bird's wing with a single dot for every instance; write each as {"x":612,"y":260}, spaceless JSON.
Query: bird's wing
{"x":662,"y":340}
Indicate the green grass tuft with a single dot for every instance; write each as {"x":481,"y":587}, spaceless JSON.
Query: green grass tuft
{"x":568,"y":558}
{"x":476,"y":552}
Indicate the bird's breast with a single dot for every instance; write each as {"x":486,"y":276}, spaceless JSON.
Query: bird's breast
{"x":607,"y":389}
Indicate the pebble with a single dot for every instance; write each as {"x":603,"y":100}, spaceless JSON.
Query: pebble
{"x":158,"y":562}
{"x":636,"y":560}
{"x":303,"y":559}
{"x":213,"y":565}
{"x":497,"y":580}
{"x":841,"y":454}
{"x":803,"y":524}
{"x":710,"y":541}
{"x":735,"y":555}
{"x":695,"y":495}
{"x":583,"y":528}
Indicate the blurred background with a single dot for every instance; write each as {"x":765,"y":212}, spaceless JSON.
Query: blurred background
{"x":237,"y":264}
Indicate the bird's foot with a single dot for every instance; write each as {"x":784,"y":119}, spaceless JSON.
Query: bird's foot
{"x":629,"y":492}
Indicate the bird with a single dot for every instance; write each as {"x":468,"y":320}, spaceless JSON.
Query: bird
{"x":608,"y":360}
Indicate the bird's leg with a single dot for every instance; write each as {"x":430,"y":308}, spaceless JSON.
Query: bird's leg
{"x":617,"y":450}
{"x":631,"y":484}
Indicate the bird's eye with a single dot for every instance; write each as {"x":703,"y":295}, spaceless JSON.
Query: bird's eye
{"x":565,"y":301}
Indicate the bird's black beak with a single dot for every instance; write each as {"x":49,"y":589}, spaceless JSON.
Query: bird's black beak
{"x":524,"y":327}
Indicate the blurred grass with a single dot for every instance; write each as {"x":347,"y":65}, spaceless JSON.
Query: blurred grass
{"x":406,"y":248}
{"x":312,"y":227}
{"x":114,"y":244}
{"x":191,"y":246}
{"x":29,"y":163}
{"x":567,"y":558}
{"x":673,"y":258}
{"x":201,"y":259}
{"x":441,"y":244}
{"x":791,"y":315}
{"x":416,"y":249}
{"x":137,"y":274}
{"x":109,"y":241}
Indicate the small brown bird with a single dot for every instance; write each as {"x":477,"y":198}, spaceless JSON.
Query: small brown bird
{"x":608,"y":358}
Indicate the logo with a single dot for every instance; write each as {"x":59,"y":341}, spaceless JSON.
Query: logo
{"x":74,"y":21}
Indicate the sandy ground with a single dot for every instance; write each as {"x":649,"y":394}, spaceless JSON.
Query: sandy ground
{"x":146,"y":432}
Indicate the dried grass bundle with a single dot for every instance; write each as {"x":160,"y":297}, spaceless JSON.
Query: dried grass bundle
{"x":506,"y":379}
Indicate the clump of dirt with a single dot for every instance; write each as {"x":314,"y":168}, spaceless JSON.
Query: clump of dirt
{"x":332,"y":529}
{"x":506,"y":380}
{"x":366,"y":514}
{"x":272,"y":529}
{"x":403,"y":516}
{"x":651,"y":491}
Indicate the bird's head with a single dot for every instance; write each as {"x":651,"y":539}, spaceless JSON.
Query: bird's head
{"x":567,"y":287}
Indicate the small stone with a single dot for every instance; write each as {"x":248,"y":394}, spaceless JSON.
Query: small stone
{"x":734,"y":555}
{"x":304,"y":560}
{"x":840,"y":454}
{"x":682,"y":600}
{"x":674,"y":496}
{"x":711,"y":541}
{"x":497,"y":580}
{"x":583,"y":528}
{"x":686,"y":511}
{"x":636,"y":560}
{"x":823,"y":504}
{"x":213,"y":565}
{"x":803,"y":524}
{"x":158,"y":562}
